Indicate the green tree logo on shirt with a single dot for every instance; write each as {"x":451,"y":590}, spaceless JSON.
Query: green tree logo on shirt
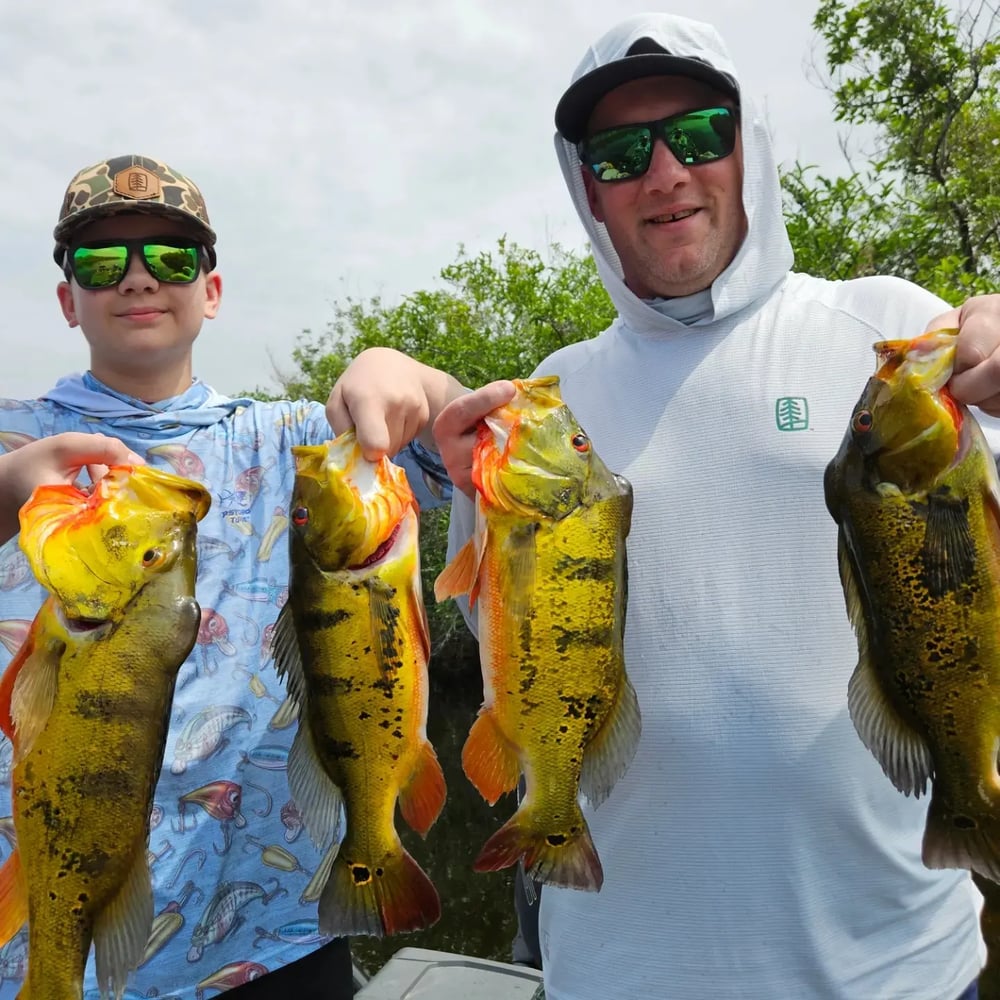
{"x":791,"y":413}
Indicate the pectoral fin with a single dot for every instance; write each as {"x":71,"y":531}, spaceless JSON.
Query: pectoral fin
{"x":516,"y":570}
{"x":34,"y":677}
{"x":490,"y":762}
{"x":949,"y":552}
{"x":899,"y":749}
{"x":422,"y":799}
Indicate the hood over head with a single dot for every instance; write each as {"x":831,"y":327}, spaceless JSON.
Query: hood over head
{"x":661,"y":44}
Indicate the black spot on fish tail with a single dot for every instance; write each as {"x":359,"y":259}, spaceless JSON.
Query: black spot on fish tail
{"x":339,"y":749}
{"x":581,"y":708}
{"x":316,"y":619}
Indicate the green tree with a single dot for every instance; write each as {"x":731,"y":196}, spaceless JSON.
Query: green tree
{"x":926,"y":206}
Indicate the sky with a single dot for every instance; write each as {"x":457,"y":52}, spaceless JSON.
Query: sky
{"x":344,"y":149}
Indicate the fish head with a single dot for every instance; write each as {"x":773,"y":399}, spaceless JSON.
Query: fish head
{"x":95,"y":550}
{"x":533,"y":458}
{"x":906,"y":429}
{"x":346,"y":509}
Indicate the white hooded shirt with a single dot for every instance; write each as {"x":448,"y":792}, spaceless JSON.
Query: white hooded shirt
{"x":754,"y":850}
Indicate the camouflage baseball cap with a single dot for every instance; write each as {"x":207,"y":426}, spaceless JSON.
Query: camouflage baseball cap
{"x":131,"y":184}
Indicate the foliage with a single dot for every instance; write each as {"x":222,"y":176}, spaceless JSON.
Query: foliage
{"x":926,"y":206}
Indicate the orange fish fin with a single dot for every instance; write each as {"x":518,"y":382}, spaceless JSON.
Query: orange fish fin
{"x":122,"y":928}
{"x":360,"y":898}
{"x":10,"y":676}
{"x":459,"y":576}
{"x":565,"y":857}
{"x":900,"y":750}
{"x":319,"y":799}
{"x":422,"y":798}
{"x":33,"y":688}
{"x":13,"y":898}
{"x":607,"y":756}
{"x":489,"y":760}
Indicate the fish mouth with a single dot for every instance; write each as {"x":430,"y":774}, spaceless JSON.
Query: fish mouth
{"x":82,"y":626}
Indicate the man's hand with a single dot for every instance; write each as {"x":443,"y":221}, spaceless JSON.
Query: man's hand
{"x":389,"y":399}
{"x":976,"y":380}
{"x":455,"y":429}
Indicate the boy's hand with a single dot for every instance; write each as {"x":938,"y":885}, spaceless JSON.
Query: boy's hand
{"x":389,"y":399}
{"x":55,"y":460}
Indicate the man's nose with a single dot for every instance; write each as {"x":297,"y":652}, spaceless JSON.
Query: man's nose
{"x":665,"y":170}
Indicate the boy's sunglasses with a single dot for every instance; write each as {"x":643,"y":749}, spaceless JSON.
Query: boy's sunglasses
{"x":625,"y":152}
{"x":103,"y":263}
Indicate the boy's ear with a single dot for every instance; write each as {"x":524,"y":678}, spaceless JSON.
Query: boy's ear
{"x":65,"y":295}
{"x":213,"y":294}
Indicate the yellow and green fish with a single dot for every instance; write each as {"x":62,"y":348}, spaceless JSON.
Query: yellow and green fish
{"x":546,"y":573}
{"x":85,"y":703}
{"x":915,"y":492}
{"x":354,"y":644}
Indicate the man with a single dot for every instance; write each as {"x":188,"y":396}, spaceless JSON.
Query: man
{"x":138,"y":255}
{"x":754,"y":849}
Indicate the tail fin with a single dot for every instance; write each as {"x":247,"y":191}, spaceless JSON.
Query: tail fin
{"x":956,"y":839}
{"x":362,"y":899}
{"x":564,"y":857}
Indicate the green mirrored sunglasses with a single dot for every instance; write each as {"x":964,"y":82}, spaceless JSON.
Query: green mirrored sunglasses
{"x":103,"y":263}
{"x":625,"y":152}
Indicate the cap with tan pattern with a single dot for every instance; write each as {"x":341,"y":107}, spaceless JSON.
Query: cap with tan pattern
{"x":132,"y":184}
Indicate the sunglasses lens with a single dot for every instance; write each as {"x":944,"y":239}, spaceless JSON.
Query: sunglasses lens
{"x":701,"y":136}
{"x":101,"y":267}
{"x":177,"y":265}
{"x":618,"y":153}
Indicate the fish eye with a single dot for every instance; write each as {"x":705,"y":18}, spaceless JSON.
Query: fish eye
{"x":581,"y":442}
{"x":300,"y":516}
{"x":862,"y":422}
{"x":152,"y":557}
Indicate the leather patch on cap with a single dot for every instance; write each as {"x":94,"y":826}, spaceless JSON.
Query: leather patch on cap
{"x":137,"y":182}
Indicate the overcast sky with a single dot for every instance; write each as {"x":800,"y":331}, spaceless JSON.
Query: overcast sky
{"x":343,"y":149}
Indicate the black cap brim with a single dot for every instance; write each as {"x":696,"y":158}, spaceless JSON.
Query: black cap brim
{"x":578,"y":103}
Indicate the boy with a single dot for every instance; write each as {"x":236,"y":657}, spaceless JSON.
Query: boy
{"x":138,"y":256}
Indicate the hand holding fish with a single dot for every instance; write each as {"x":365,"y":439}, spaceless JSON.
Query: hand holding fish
{"x":456,"y":428}
{"x":389,"y":399}
{"x":54,"y":461}
{"x":976,"y":381}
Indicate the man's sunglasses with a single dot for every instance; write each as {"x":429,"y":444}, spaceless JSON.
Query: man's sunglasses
{"x":103,"y":263}
{"x":625,"y":152}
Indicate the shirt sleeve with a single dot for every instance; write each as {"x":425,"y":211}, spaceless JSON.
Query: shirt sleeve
{"x":428,"y":477}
